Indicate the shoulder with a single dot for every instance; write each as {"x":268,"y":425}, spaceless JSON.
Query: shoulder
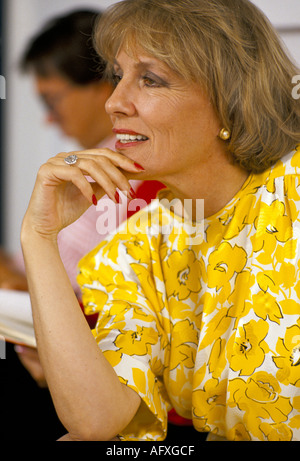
{"x":281,"y":181}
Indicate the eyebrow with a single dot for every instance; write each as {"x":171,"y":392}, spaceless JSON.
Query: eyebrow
{"x":142,"y":66}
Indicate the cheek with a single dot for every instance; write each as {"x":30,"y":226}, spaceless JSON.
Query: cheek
{"x":76,"y":112}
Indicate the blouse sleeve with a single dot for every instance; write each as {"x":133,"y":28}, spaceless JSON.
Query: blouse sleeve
{"x":117,"y":282}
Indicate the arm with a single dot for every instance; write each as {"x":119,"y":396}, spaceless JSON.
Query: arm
{"x":88,"y":396}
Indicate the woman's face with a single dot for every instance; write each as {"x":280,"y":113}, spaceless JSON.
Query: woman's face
{"x":175,"y":118}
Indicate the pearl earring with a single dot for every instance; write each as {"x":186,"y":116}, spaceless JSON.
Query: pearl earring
{"x":224,"y":134}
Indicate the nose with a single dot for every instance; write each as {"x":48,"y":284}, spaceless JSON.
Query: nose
{"x":121,"y":101}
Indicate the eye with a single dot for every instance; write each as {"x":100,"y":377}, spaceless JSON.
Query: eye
{"x":116,"y":78}
{"x":148,"y":81}
{"x":152,"y":81}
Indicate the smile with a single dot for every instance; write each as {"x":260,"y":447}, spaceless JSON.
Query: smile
{"x":127,"y":138}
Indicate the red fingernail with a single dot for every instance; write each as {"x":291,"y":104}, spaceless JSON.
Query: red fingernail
{"x":117,"y":197}
{"x":139,"y":167}
{"x":132,"y":193}
{"x":95,"y":201}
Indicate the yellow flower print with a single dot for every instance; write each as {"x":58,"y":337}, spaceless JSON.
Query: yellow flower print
{"x":240,"y":216}
{"x":272,"y":226}
{"x":179,"y":386}
{"x":286,"y":251}
{"x":265,"y":281}
{"x":237,"y":298}
{"x":93,"y":300}
{"x":295,"y":420}
{"x":249,"y":347}
{"x":118,"y":310}
{"x":139,"y":379}
{"x":288,"y":360}
{"x":186,"y":279}
{"x":224,"y":262}
{"x":137,"y":342}
{"x":186,"y":336}
{"x":217,"y":360}
{"x":186,"y":355}
{"x":264,"y":247}
{"x":294,"y":197}
{"x":137,"y":246}
{"x":88,"y":262}
{"x":113,"y":357}
{"x":147,"y":285}
{"x":289,"y":306}
{"x":138,"y":249}
{"x":276,"y":432}
{"x":178,"y":240}
{"x":272,"y":220}
{"x":284,"y":276}
{"x":260,"y":399}
{"x":111,"y":250}
{"x":182,"y":310}
{"x":216,"y":327}
{"x":199,"y":376}
{"x":108,"y":279}
{"x":209,"y":405}
{"x":235,"y":217}
{"x":295,"y":160}
{"x":238,"y":433}
{"x":227,"y":221}
{"x":216,"y":298}
{"x":157,"y":365}
{"x":265,"y":305}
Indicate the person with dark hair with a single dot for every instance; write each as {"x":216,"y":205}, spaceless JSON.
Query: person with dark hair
{"x":65,"y":46}
{"x":69,"y":78}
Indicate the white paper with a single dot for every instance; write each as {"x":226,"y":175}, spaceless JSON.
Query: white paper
{"x":16,"y":322}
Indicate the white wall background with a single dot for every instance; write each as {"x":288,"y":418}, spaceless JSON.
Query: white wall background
{"x":29,"y":142}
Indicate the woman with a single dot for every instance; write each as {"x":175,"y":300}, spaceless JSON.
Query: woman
{"x":205,"y":323}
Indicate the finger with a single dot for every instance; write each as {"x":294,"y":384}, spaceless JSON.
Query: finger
{"x":116,"y":158}
{"x":53,"y":175}
{"x":103,"y":171}
{"x":77,"y":176}
{"x":27,"y":351}
{"x":107,"y":175}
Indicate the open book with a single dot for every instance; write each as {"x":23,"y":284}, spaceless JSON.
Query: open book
{"x":16,"y":323}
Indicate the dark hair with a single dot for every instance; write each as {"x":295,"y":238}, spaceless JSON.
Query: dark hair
{"x":65,"y":46}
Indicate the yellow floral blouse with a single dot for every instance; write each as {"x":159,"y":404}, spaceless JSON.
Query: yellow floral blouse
{"x":210,"y":328}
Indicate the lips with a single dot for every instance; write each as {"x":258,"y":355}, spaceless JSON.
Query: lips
{"x":129,"y":137}
{"x":125,"y":138}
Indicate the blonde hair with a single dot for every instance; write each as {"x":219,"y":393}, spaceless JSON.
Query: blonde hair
{"x":230,"y":48}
